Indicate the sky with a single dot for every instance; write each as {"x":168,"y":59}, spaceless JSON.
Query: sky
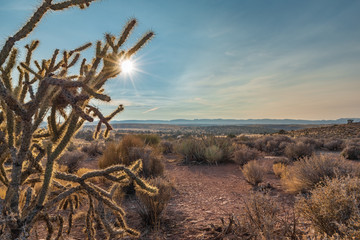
{"x":231,"y":59}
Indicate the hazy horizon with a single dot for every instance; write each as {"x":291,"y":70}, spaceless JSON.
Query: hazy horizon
{"x":215,"y":59}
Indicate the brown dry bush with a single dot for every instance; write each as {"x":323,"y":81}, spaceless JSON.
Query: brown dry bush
{"x":152,"y":207}
{"x":334,"y":144}
{"x":273,"y":144}
{"x":167,"y":147}
{"x":264,"y":218}
{"x":150,"y":139}
{"x":93,"y":149}
{"x":298,"y":150}
{"x":351,"y":152}
{"x":72,"y":160}
{"x":315,"y":143}
{"x":253,"y":172}
{"x":152,"y":164}
{"x":334,"y":208}
{"x":243,"y":154}
{"x":306,"y":173}
{"x":111,"y":156}
{"x":126,"y":144}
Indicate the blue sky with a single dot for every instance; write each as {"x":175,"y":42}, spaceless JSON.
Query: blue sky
{"x":218,"y":59}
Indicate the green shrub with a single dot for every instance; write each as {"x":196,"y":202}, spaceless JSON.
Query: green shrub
{"x":334,"y":207}
{"x":193,"y":150}
{"x":213,"y":154}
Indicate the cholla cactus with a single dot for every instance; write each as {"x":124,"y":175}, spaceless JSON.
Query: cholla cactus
{"x":32,"y":187}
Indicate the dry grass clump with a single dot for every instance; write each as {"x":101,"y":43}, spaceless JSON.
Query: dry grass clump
{"x":273,"y":144}
{"x":334,"y":208}
{"x":298,"y":150}
{"x":306,"y":173}
{"x":72,"y":160}
{"x":334,"y":144}
{"x":279,"y":169}
{"x":151,"y":207}
{"x":253,"y":172}
{"x":167,"y":147}
{"x":111,"y":156}
{"x":243,"y":154}
{"x":213,"y":154}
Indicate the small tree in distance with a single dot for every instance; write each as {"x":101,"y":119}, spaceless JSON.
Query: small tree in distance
{"x":44,"y":90}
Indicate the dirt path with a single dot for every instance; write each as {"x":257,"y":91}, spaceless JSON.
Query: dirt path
{"x":205,"y":194}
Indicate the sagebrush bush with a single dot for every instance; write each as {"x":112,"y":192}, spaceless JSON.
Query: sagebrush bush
{"x":126,"y":144}
{"x":315,"y":143}
{"x":72,"y":160}
{"x":243,"y":154}
{"x":334,"y":207}
{"x":93,"y":149}
{"x":351,"y":152}
{"x":306,"y":173}
{"x":213,"y":154}
{"x":111,"y":156}
{"x":253,"y":172}
{"x":152,"y":164}
{"x":273,"y":144}
{"x":298,"y":150}
{"x":152,"y":207}
{"x":150,"y":139}
{"x":167,"y":147}
{"x":334,"y":144}
{"x":193,"y":150}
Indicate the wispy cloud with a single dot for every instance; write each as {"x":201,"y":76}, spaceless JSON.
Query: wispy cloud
{"x":151,"y":110}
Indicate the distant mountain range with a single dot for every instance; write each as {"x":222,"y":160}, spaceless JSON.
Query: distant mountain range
{"x":216,"y":122}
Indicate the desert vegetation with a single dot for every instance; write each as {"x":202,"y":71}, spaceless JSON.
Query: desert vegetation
{"x":63,"y":178}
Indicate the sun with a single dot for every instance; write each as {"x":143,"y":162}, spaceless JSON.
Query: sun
{"x":127,"y":66}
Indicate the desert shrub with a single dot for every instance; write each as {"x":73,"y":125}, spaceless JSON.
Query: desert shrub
{"x":253,"y":172}
{"x":152,"y":164}
{"x":111,"y":156}
{"x":151,"y":207}
{"x":315,"y":143}
{"x":72,"y":147}
{"x":334,"y":207}
{"x":167,"y":147}
{"x":149,"y":139}
{"x":298,"y":150}
{"x":93,"y":149}
{"x":304,"y":174}
{"x":279,"y":169}
{"x":193,"y":150}
{"x":273,"y":144}
{"x":72,"y":160}
{"x":126,"y":144}
{"x":213,"y":154}
{"x":351,"y":152}
{"x":85,"y":134}
{"x":243,"y":154}
{"x":334,"y":144}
